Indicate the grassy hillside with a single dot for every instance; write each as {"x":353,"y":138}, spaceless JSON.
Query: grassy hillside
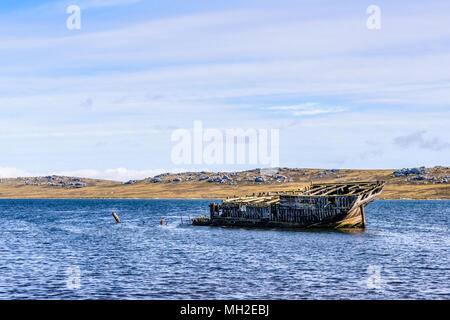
{"x":420,"y":183}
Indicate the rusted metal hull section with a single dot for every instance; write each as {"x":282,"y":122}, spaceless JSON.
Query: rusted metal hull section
{"x":316,"y":206}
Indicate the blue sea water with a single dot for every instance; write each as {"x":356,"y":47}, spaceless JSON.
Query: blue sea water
{"x":74,"y":249}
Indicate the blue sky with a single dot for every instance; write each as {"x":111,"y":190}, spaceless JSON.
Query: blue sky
{"x":103,"y":101}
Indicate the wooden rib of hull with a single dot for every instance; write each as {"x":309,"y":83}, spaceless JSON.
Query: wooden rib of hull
{"x":337,"y":206}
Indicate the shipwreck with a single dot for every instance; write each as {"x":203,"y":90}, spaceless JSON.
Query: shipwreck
{"x":325,"y":205}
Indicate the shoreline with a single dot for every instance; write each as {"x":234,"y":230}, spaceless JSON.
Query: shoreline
{"x":410,"y":185}
{"x":94,"y":198}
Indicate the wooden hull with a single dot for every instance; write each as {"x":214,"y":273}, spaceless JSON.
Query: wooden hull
{"x":351,"y":220}
{"x":297,"y":210}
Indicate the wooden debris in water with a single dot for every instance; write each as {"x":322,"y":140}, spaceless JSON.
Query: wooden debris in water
{"x":116,"y":217}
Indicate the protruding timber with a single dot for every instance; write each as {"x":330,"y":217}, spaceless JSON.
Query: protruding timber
{"x":116,"y":217}
{"x":330,"y":205}
{"x":363,"y":217}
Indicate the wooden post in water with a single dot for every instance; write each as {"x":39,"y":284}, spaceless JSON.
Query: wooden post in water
{"x":363,"y":217}
{"x":116,"y":217}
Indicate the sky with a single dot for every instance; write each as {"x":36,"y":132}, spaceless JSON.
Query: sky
{"x":103,"y":101}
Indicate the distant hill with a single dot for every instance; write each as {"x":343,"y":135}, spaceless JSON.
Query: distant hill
{"x":408,"y":183}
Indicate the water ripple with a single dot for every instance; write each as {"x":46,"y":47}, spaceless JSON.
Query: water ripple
{"x":402,"y":255}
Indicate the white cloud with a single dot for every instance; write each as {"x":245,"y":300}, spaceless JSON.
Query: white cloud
{"x":123,"y":174}
{"x":117,"y":174}
{"x":307,"y":109}
{"x":295,"y":107}
{"x":84,"y":4}
{"x":317,"y":111}
{"x":274,"y":53}
{"x":13,"y":173}
{"x":97,"y":82}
